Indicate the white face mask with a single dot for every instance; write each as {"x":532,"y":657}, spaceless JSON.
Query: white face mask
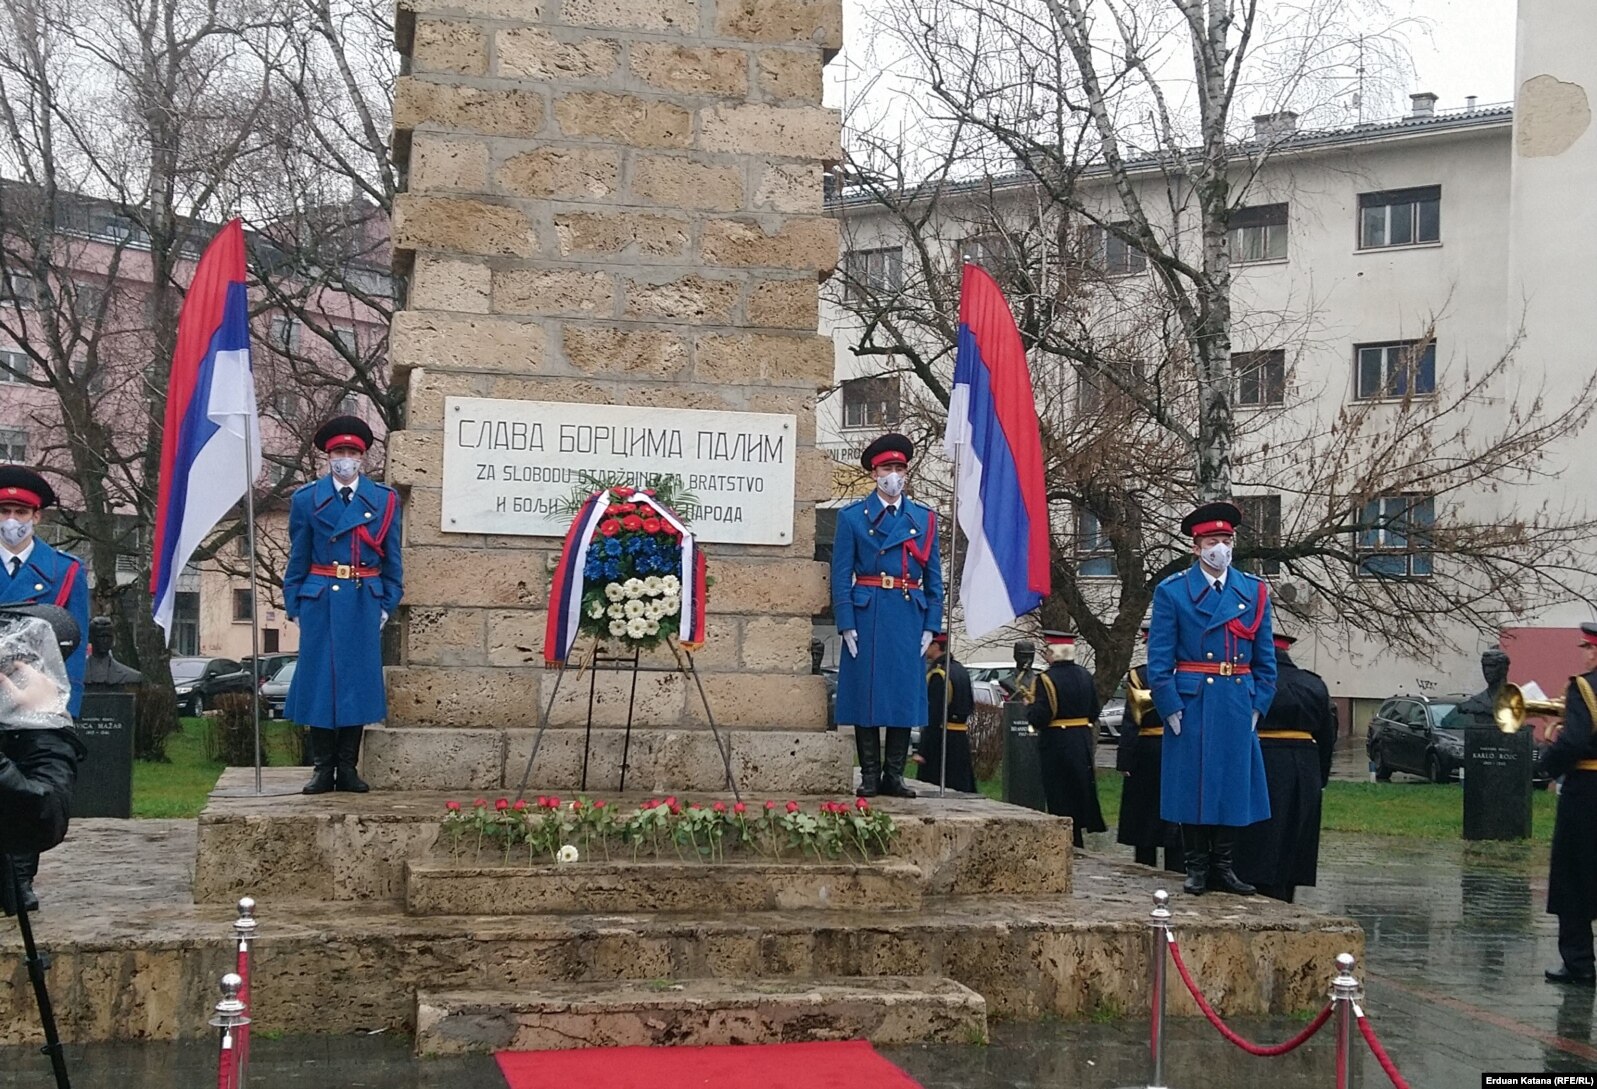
{"x":14,"y":531}
{"x":891,"y":484}
{"x":346,"y":468}
{"x":1217,"y":555}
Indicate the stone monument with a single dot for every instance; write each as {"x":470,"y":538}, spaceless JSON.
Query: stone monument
{"x":1497,"y":766}
{"x":613,"y":233}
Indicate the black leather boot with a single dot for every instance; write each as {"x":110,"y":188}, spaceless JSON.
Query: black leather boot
{"x":324,"y":758}
{"x":346,"y":777}
{"x":1195,"y":852}
{"x":897,"y":751}
{"x":868,"y":745}
{"x":27,"y":867}
{"x":1222,"y":839}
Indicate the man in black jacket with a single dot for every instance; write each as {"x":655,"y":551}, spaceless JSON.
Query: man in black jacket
{"x":942,"y":670}
{"x":1572,"y":877}
{"x":1297,"y":737}
{"x":1137,"y":757}
{"x":1064,"y":711}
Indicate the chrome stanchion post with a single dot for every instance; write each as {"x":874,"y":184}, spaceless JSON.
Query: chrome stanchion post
{"x":244,"y":930}
{"x":1158,"y":959}
{"x":229,"y":1016}
{"x":1345,"y":991}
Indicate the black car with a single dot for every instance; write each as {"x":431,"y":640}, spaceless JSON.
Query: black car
{"x":198,"y":681}
{"x":1408,"y":734}
{"x":269,"y":665}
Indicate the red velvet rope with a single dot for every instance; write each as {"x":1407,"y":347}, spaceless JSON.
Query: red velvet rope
{"x":1379,"y":1052}
{"x":1262,"y":1050}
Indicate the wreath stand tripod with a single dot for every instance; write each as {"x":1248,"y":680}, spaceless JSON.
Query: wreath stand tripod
{"x":595,"y":660}
{"x":37,"y":963}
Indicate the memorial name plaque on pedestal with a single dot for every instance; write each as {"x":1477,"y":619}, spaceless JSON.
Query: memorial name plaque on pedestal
{"x":1497,"y":773}
{"x":510,"y":465}
{"x":105,"y":778}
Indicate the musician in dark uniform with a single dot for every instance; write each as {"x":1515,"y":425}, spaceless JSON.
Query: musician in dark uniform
{"x":1017,"y":683}
{"x":1572,"y":877}
{"x":1298,"y":738}
{"x":1137,"y":757}
{"x":1064,"y":711}
{"x":944,"y":672}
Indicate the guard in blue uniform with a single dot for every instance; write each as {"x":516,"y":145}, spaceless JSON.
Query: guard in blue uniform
{"x":344,"y":580}
{"x":1211,"y":667}
{"x":887,"y":598}
{"x":1572,"y":876}
{"x":947,"y":690}
{"x":36,"y":574}
{"x":1297,"y":738}
{"x":1064,"y":711}
{"x":1138,"y":755}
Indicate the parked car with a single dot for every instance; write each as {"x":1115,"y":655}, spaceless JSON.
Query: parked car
{"x":984,"y":681}
{"x":1113,"y":716}
{"x":274,"y":690}
{"x":268,"y":665}
{"x":198,"y":681}
{"x":1407,"y":734}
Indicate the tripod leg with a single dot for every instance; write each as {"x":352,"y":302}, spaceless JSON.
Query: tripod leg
{"x":537,"y":739}
{"x":724,"y":749}
{"x":632,"y":704}
{"x":37,"y":963}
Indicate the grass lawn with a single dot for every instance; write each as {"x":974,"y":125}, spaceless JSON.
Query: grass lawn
{"x":178,"y":788}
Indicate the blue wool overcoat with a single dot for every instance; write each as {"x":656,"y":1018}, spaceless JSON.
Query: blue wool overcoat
{"x":43,"y":580}
{"x":1213,"y":771}
{"x":339,"y":679}
{"x":886,"y":684}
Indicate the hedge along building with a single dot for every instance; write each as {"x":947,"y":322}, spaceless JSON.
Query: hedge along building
{"x":610,"y":209}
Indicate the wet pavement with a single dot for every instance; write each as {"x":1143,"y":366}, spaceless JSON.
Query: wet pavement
{"x":1457,"y":940}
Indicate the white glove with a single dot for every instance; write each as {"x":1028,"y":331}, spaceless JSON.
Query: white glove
{"x":1173,"y":723}
{"x":851,"y":641}
{"x":925,"y":641}
{"x":1255,"y":722}
{"x":384,"y":624}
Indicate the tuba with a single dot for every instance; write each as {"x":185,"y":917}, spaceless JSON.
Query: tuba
{"x":1511,"y":708}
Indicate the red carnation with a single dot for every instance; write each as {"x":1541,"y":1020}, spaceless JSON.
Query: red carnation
{"x":623,"y":491}
{"x":632,"y":521}
{"x":740,"y":809}
{"x":792,"y":807}
{"x":502,"y":804}
{"x":629,"y":508}
{"x":652,"y":525}
{"x":610,"y":527}
{"x":613,"y":509}
{"x":453,"y":807}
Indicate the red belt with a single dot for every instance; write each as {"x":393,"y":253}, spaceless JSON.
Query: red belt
{"x":345,"y":571}
{"x":1218,"y":669}
{"x":887,"y":582}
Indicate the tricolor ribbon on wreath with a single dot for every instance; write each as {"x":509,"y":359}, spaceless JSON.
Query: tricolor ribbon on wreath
{"x":571,"y":581}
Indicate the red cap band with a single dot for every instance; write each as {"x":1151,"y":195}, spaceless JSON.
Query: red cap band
{"x":1060,"y":640}
{"x":346,"y":440}
{"x":1588,"y":638}
{"x":21,"y":495}
{"x":1282,"y":644}
{"x":888,"y":457}
{"x":1208,"y":529}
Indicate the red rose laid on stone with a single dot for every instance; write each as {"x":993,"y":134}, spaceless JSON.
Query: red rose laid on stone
{"x":502,"y":804}
{"x":453,"y":807}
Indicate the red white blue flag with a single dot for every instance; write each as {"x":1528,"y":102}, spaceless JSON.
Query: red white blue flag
{"x":994,"y":440}
{"x":211,"y":419}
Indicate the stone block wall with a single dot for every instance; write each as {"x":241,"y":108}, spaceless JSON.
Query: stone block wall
{"x":616,"y":202}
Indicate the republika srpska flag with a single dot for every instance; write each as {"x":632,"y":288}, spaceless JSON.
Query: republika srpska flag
{"x":210,"y":409}
{"x":994,"y":440}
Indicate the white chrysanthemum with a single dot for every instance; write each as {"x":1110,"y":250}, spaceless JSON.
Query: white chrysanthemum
{"x":653,"y":611}
{"x":596,"y":609}
{"x":568,"y":853}
{"x":632,"y":588}
{"x":671,"y":585}
{"x":671,"y":604}
{"x":651,"y":627}
{"x":652,"y":585}
{"x":617,"y":611}
{"x":637,"y":628}
{"x":635,"y":609}
{"x":618,"y":628}
{"x":614,"y":592}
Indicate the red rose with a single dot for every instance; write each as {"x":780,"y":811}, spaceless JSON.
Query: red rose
{"x":623,"y":491}
{"x":651,"y":803}
{"x":671,"y":800}
{"x":521,"y":804}
{"x":740,"y":809}
{"x":770,"y":806}
{"x":792,"y":807}
{"x":577,"y":805}
{"x":632,"y":521}
{"x":453,"y":807}
{"x":861,"y":804}
{"x":719,"y":807}
{"x":479,"y":804}
{"x":652,"y":525}
{"x":554,"y":803}
{"x":610,"y":527}
{"x":502,"y":804}
{"x":599,"y":804}
{"x":674,"y":808}
{"x":543,"y":801}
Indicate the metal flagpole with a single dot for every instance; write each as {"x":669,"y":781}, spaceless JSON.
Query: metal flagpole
{"x":950,"y":596}
{"x":255,"y":611}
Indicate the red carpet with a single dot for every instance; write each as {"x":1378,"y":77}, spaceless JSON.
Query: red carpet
{"x":850,"y":1064}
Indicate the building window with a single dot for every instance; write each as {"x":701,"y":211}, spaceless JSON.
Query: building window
{"x":1261,"y":377}
{"x":287,"y":404}
{"x":871,"y":402}
{"x":1108,"y":388}
{"x":87,"y":298}
{"x":1260,"y":529}
{"x":285,"y":333}
{"x":1094,"y":553}
{"x":1398,"y":368}
{"x":1113,"y":255}
{"x":15,"y":366}
{"x":13,"y":444}
{"x":186,"y":623}
{"x":873,"y":272}
{"x":1400,"y":217}
{"x":825,"y":532}
{"x":345,"y":336}
{"x":1258,"y":233}
{"x":21,"y":290}
{"x":1394,"y":538}
{"x":349,"y":405}
{"x":242,"y":613}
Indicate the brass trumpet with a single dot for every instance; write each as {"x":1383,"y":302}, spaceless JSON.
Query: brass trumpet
{"x":1139,"y":701}
{"x":1511,"y":708}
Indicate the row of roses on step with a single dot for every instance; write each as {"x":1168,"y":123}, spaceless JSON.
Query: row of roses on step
{"x":575,"y":830}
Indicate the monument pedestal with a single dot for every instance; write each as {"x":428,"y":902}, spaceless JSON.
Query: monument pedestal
{"x":1497,"y":791}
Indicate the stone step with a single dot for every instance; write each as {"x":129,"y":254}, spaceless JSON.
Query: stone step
{"x":699,"y":1012}
{"x":442,"y":888}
